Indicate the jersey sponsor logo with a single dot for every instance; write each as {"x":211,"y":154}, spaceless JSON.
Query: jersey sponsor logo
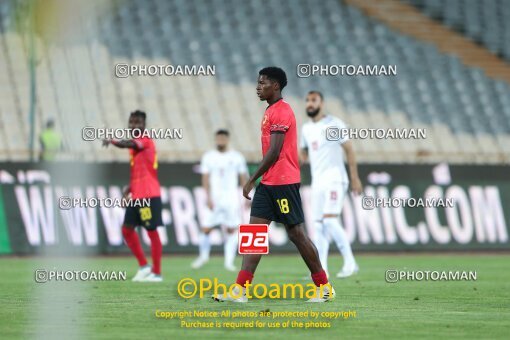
{"x":253,"y":239}
{"x":279,"y":127}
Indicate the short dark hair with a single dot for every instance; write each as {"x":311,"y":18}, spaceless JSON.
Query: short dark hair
{"x":223,"y":132}
{"x":317,"y":92}
{"x":275,"y":74}
{"x":139,"y":114}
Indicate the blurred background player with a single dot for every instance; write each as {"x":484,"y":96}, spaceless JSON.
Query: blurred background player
{"x":321,"y":139}
{"x":143,"y":183}
{"x":223,"y":169}
{"x":277,"y":197}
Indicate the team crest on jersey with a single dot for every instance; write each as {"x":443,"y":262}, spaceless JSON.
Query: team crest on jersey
{"x":333,"y":196}
{"x":264,"y":120}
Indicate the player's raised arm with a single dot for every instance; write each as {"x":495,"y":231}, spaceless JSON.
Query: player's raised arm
{"x":356,"y":186}
{"x":269,"y":159}
{"x":123,"y":144}
{"x":136,"y":123}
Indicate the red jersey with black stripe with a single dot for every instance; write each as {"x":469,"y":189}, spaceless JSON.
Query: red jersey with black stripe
{"x":144,"y":181}
{"x":279,"y":118}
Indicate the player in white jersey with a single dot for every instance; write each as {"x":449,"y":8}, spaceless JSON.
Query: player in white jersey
{"x":322,"y":144}
{"x":223,"y":171}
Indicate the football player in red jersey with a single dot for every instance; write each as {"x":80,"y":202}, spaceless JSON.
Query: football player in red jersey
{"x":143,"y":184}
{"x":277,"y":196}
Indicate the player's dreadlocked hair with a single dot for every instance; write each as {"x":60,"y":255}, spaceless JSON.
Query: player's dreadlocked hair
{"x":140,"y":114}
{"x":275,"y":74}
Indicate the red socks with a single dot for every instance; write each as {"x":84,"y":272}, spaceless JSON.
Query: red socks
{"x":134,"y":244}
{"x":320,"y":278}
{"x":132,"y":241}
{"x":156,"y":250}
{"x":244,"y":276}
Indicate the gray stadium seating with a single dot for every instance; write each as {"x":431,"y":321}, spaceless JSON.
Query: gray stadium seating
{"x":466,"y":113}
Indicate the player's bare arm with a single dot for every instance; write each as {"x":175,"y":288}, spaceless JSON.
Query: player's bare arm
{"x":207,"y":188}
{"x":243,"y":179}
{"x":269,"y":159}
{"x":356,"y":186}
{"x":122,"y":144}
{"x":126,"y":192}
{"x":303,"y":156}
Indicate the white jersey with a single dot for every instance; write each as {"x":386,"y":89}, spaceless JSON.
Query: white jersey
{"x":323,"y":139}
{"x":224,"y":169}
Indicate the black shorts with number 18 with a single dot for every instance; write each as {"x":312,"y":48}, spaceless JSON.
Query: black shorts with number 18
{"x":147,"y":216}
{"x":278,"y":203}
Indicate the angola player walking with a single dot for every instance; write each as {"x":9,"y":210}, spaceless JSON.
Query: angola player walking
{"x":277,"y":197}
{"x":143,"y":184}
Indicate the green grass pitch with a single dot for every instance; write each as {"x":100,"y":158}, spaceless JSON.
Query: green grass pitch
{"x":111,"y":310}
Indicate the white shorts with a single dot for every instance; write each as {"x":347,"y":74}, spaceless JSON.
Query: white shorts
{"x":228,"y":216}
{"x":328,"y":198}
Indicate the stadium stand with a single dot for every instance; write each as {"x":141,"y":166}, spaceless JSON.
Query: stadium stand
{"x":465,"y":111}
{"x":485,"y":22}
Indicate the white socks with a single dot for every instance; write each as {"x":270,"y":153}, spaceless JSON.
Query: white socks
{"x":333,"y":228}
{"x":321,"y":241}
{"x":204,"y":246}
{"x":230,"y":248}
